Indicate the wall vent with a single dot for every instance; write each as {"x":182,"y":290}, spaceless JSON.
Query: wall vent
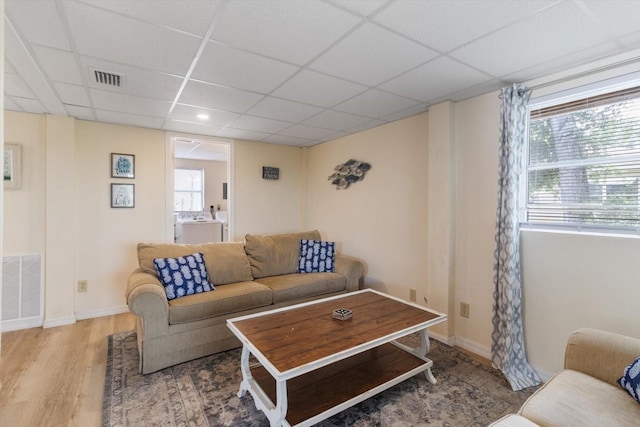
{"x":22,"y":292}
{"x":108,"y":79}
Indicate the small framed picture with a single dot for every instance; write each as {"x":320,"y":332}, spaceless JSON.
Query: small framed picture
{"x":122,"y":165}
{"x":122,"y":196}
{"x":12,"y":166}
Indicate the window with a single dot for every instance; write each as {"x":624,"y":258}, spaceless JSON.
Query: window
{"x":583,"y":164}
{"x":188,"y":190}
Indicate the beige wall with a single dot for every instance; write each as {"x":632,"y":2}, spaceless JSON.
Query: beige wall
{"x":23,"y":227}
{"x":476,"y":159}
{"x":262,"y":206}
{"x":107,"y":237}
{"x":382,"y":219}
{"x":215,"y":173}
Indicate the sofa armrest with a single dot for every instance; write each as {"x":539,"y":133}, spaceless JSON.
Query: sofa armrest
{"x":350,"y":268}
{"x":603,"y":355}
{"x":146,"y":298}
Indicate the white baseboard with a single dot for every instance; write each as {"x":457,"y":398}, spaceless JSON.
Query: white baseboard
{"x":17,"y":324}
{"x":82,"y":315}
{"x":59,"y":321}
{"x":474,"y":347}
{"x":450,"y":341}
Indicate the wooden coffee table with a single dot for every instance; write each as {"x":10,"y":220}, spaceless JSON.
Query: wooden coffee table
{"x":311,"y":366}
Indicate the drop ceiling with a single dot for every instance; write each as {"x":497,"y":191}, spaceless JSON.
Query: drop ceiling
{"x":291,"y":72}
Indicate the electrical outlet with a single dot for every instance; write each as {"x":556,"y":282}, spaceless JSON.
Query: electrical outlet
{"x":464,"y":309}
{"x":412,"y":295}
{"x":82,"y":286}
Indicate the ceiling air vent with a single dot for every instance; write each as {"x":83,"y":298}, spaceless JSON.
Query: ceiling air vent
{"x":108,"y":79}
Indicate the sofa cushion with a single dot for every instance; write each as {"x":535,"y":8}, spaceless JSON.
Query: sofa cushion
{"x":316,"y":256}
{"x":572,"y":398}
{"x":233,"y":298}
{"x":275,"y":255}
{"x":513,"y":420}
{"x":226,"y":262}
{"x":147,"y":252}
{"x":182,"y":276}
{"x":630,"y":380}
{"x":290,"y":287}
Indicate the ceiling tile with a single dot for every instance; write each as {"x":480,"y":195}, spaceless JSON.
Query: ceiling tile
{"x":371,"y":55}
{"x":265,"y":27}
{"x":72,"y":94}
{"x":129,"y":119}
{"x":190,"y":16}
{"x":188,"y":127}
{"x":15,"y":86}
{"x":10,"y":105}
{"x":376,"y":104}
{"x":234,"y":68}
{"x":259,"y":124}
{"x":405,"y":113}
{"x":318,"y":89}
{"x":435,"y":79}
{"x":534,"y":41}
{"x":430,"y":22}
{"x":303,"y":131}
{"x":286,"y":140}
{"x":82,"y":113}
{"x":242,"y":134}
{"x":38,"y":22}
{"x":58,"y":65}
{"x":336,"y":120}
{"x":220,"y":97}
{"x":368,"y":125}
{"x":279,"y":109}
{"x":30,"y":105}
{"x":124,"y":103}
{"x":361,"y":7}
{"x":614,"y":16}
{"x":137,"y":81}
{"x":133,"y":43}
{"x":187,"y":113}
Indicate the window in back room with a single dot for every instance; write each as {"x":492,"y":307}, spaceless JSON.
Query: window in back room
{"x":583,"y":164}
{"x":188,"y":190}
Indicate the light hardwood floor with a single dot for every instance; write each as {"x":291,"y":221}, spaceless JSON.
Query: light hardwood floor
{"x":55,"y":377}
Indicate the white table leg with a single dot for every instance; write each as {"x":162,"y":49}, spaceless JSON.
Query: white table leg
{"x":278,"y":415}
{"x":424,"y":348}
{"x":424,"y":344}
{"x":246,"y":372}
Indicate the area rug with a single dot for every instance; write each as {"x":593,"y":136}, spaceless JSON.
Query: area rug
{"x":203,"y":392}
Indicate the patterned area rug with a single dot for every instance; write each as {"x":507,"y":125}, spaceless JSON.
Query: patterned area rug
{"x":203,"y":393}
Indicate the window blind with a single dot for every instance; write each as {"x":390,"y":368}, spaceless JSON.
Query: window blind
{"x":583,"y":163}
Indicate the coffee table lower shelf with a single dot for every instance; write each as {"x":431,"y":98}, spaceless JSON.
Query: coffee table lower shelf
{"x":324,"y":392}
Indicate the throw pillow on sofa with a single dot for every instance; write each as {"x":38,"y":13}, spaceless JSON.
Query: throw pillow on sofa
{"x":185,"y":275}
{"x":630,"y":379}
{"x":316,"y":256}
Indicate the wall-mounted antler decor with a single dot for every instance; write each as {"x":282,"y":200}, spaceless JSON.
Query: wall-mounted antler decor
{"x":347,"y":173}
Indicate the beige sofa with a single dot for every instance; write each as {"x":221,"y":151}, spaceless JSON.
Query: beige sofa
{"x":585,"y":393}
{"x":251,"y":277}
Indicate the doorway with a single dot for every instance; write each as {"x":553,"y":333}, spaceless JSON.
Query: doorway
{"x":210,"y":159}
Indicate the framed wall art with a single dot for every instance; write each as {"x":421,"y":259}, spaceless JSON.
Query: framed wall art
{"x":122,"y":165}
{"x":12,"y":166}
{"x":122,"y":195}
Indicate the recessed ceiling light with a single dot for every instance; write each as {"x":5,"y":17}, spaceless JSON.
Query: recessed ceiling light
{"x":203,"y":116}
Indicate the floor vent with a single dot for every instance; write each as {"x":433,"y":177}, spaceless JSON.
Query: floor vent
{"x":108,"y":79}
{"x":22,"y":292}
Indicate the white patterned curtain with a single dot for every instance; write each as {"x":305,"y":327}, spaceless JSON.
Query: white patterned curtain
{"x":507,"y":340}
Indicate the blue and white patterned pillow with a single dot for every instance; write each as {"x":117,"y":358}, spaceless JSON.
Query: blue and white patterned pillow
{"x":316,"y":256}
{"x":185,"y":275}
{"x":630,"y":379}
